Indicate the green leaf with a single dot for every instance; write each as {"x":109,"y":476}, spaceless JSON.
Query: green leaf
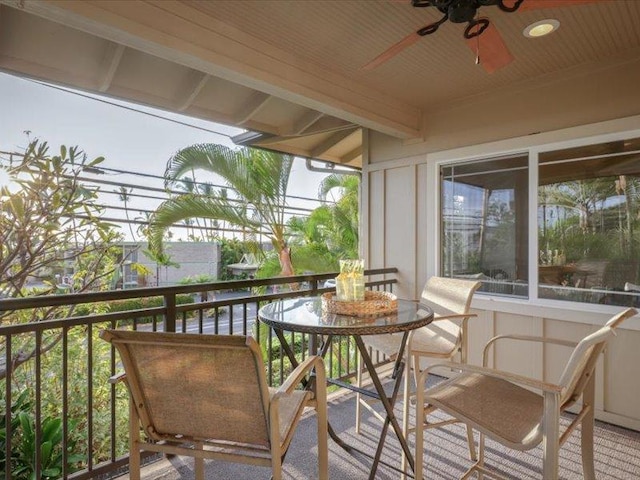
{"x":52,"y":429}
{"x":53,"y":472}
{"x":45,"y":452}
{"x":75,"y":458}
{"x":25,"y":423}
{"x":96,"y":161}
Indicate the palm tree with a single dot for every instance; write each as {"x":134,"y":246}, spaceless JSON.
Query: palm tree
{"x":343,"y":228}
{"x":330,"y":232}
{"x":207,"y":190}
{"x":259,"y":179}
{"x":582,"y":196}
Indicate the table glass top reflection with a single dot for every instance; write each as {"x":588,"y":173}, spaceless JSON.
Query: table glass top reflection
{"x":306,"y":314}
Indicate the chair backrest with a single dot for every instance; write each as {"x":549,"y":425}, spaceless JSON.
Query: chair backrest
{"x":196,"y":386}
{"x":447,"y":296}
{"x":584,"y":357}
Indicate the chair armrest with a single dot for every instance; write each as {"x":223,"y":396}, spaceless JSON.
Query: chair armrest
{"x":527,"y":338}
{"x":300,"y":371}
{"x":120,"y":377}
{"x":510,"y":377}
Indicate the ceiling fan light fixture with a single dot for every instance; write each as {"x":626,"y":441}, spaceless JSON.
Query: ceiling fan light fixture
{"x":541,"y":28}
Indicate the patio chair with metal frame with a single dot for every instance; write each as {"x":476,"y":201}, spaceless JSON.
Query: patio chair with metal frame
{"x":206,"y":396}
{"x":502,"y":405}
{"x":445,"y":337}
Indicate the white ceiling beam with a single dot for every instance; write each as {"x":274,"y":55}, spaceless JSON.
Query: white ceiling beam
{"x":193,"y":86}
{"x":252,"y":106}
{"x":330,"y":142}
{"x":110,"y":65}
{"x":177,"y":32}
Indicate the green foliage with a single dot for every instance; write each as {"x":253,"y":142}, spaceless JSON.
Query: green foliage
{"x":328,"y":234}
{"x":270,"y":266}
{"x":343,"y":228}
{"x":258,"y":178}
{"x":131,"y":304}
{"x":593,"y":224}
{"x":23,"y":443}
{"x":315,"y":258}
{"x":595,"y":219}
{"x":194,"y":279}
{"x":52,"y":220}
{"x":21,"y":404}
{"x":342,"y":360}
{"x":231,"y":251}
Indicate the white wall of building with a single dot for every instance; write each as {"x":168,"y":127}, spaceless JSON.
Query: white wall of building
{"x":400,"y":228}
{"x":193,"y":258}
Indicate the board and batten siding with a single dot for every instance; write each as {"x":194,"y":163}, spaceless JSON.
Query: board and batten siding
{"x":400,"y":215}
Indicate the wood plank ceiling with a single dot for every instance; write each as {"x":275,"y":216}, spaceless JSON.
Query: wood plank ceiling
{"x":290,"y":72}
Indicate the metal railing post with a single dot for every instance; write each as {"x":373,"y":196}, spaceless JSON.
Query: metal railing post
{"x":170,"y":312}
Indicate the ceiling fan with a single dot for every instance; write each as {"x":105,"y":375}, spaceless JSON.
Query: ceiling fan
{"x":480,"y":34}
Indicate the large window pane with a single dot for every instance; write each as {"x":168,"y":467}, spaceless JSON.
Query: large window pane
{"x":589,"y":224}
{"x":484,"y":223}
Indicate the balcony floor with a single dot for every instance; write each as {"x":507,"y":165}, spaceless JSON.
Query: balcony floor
{"x":617,"y":453}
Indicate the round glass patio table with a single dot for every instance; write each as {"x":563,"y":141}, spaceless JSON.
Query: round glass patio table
{"x":306,"y":315}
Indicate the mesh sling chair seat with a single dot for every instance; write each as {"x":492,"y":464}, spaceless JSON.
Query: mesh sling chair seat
{"x":508,"y":408}
{"x":206,"y":396}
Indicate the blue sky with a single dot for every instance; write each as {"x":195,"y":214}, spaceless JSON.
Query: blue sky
{"x":128,"y":140}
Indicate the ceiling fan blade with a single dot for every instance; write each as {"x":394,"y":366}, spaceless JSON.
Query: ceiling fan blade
{"x":536,"y":4}
{"x":392,"y":51}
{"x":494,"y":53}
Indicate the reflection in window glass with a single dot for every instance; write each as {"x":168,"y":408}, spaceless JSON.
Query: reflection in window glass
{"x":589,"y":224}
{"x":484,"y":223}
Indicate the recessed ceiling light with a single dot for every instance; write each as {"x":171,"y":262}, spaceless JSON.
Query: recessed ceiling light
{"x":541,"y":28}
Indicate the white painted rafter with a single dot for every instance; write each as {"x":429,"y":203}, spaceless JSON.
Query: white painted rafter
{"x":196,"y":83}
{"x":256,"y":102}
{"x":300,"y":125}
{"x":110,"y":66}
{"x":331,"y":142}
{"x":180,"y":33}
{"x":352,"y":155}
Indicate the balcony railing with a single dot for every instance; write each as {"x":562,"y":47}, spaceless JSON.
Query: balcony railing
{"x":55,"y":371}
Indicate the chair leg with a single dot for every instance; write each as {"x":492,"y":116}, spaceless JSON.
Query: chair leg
{"x":586,"y":430}
{"x":276,"y":469}
{"x":358,"y":395}
{"x":419,"y":431}
{"x":406,"y":400}
{"x":481,"y":455}
{"x":134,"y":442}
{"x":323,"y":427}
{"x":472,"y":445}
{"x":551,"y":435}
{"x":198,"y":463}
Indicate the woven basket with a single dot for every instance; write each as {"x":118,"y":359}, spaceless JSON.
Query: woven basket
{"x":374,"y":304}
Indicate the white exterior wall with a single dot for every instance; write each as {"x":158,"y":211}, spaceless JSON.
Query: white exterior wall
{"x":193,"y":258}
{"x":401,"y":227}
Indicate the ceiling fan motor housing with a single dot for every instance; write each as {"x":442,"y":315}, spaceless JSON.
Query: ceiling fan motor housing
{"x":461,"y":11}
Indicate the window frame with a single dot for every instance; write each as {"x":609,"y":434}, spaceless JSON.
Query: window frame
{"x":533,"y":305}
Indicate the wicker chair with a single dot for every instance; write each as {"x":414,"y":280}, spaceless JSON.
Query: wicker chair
{"x":503,"y":406}
{"x":206,"y":396}
{"x":445,"y":337}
